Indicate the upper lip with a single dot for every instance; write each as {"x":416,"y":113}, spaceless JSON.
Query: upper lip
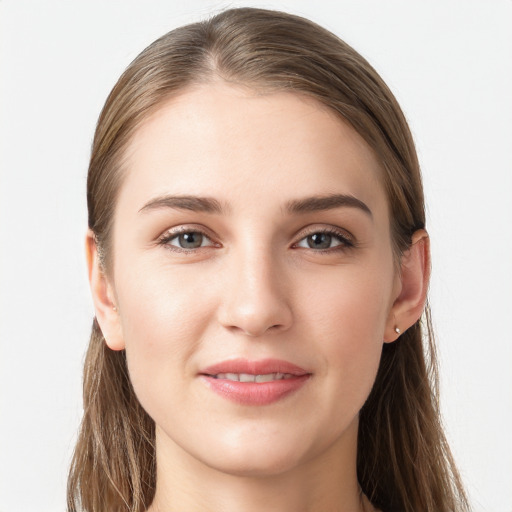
{"x":261,"y":367}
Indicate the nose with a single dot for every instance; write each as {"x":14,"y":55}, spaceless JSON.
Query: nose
{"x":256,"y":298}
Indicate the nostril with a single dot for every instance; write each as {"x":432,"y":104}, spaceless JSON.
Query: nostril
{"x":255,"y":307}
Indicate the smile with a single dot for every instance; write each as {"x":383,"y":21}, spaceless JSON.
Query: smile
{"x":247,"y":377}
{"x":254,"y":382}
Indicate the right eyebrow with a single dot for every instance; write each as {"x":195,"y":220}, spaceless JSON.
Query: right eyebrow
{"x":193,"y":203}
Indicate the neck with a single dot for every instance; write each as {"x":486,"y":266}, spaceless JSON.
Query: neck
{"x":326,"y":482}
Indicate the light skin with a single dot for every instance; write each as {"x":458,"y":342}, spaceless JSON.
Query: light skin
{"x":285,"y":252}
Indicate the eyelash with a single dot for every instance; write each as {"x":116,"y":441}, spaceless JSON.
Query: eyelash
{"x":346,"y":242}
{"x":168,"y":236}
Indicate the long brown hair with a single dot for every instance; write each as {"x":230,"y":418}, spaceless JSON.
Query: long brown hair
{"x":404,"y":462}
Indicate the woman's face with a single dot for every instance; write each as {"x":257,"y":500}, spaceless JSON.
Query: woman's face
{"x":251,"y":241}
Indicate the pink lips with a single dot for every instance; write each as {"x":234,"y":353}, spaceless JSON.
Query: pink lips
{"x":275,"y":380}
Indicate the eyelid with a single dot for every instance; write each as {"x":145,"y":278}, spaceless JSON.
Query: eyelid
{"x":171,"y":233}
{"x":348,"y":240}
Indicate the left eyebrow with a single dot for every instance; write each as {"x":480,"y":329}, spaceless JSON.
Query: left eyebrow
{"x":328,"y":202}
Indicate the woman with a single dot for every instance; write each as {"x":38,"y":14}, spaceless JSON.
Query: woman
{"x":259,"y":266}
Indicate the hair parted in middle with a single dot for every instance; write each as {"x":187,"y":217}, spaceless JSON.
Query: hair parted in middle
{"x":403,"y":461}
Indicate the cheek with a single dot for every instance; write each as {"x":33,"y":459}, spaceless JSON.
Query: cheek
{"x":347,"y":318}
{"x":351,"y":304}
{"x":163,"y":318}
{"x":160,"y":302}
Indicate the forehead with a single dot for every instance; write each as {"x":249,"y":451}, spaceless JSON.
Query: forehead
{"x":245,"y":147}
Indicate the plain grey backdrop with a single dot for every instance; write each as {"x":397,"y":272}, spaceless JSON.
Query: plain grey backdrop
{"x":449,"y":64}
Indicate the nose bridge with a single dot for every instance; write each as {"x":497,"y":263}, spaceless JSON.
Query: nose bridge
{"x":257,"y":300}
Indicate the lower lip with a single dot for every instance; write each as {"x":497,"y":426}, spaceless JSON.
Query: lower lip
{"x":255,"y":393}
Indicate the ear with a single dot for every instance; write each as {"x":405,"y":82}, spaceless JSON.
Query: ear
{"x":103,"y":296}
{"x":412,"y":290}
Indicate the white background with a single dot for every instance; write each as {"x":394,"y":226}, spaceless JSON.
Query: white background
{"x":450,"y":65}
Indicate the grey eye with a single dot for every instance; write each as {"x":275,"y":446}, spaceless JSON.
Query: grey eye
{"x":319,"y":241}
{"x":190,"y":240}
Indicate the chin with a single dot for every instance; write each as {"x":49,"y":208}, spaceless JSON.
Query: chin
{"x":257,"y":456}
{"x":263,"y":466}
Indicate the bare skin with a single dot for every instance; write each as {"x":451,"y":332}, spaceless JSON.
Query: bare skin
{"x":228,"y":244}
